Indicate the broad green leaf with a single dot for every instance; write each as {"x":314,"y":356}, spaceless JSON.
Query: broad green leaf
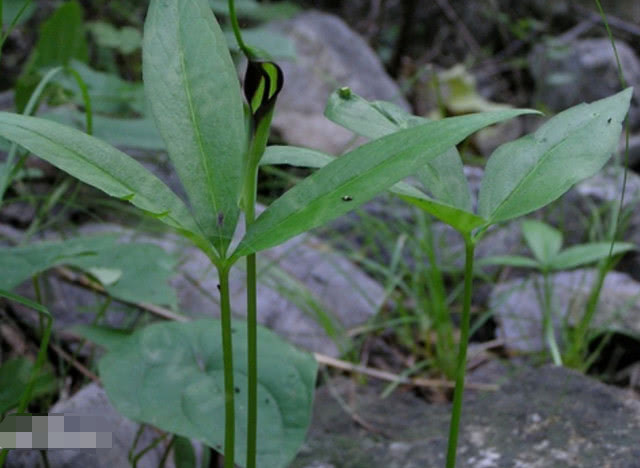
{"x":174,"y":380}
{"x":109,"y":338}
{"x":517,"y":261}
{"x":11,"y":8}
{"x":584,"y":254}
{"x":528,"y":173}
{"x":21,"y":263}
{"x":109,"y":93}
{"x":100,"y":165}
{"x":126,"y":39}
{"x":358,"y":176}
{"x":62,"y":37}
{"x":543,"y":240}
{"x":142,"y":271}
{"x":14,"y":377}
{"x":125,"y":133}
{"x":192,"y":85}
{"x":443,"y":177}
{"x":303,"y":157}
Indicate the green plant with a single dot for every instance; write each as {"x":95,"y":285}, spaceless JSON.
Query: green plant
{"x":215,"y":142}
{"x":545,"y":243}
{"x":520,"y":177}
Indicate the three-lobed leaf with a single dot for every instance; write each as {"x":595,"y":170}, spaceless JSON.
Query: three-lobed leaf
{"x":531,"y":172}
{"x":174,"y":380}
{"x":358,"y":176}
{"x":192,"y":86}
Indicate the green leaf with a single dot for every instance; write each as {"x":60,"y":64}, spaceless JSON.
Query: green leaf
{"x":109,"y":338}
{"x":100,"y":165}
{"x":143,"y":270}
{"x":14,"y":378}
{"x":125,"y":133}
{"x":11,"y":8}
{"x":584,"y":254}
{"x":184,"y":456}
{"x":295,"y":156}
{"x":356,"y":177}
{"x":253,"y":10}
{"x":109,"y":93}
{"x":174,"y":380}
{"x":509,"y":260}
{"x":528,"y":173}
{"x":543,"y":240}
{"x":21,"y":263}
{"x":192,"y":85}
{"x":274,"y":44}
{"x":126,"y":39}
{"x":62,"y":37}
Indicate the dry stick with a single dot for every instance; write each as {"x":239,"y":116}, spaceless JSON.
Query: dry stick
{"x":74,"y":362}
{"x":390,"y":377}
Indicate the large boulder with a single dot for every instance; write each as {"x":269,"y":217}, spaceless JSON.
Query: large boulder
{"x":548,"y":417}
{"x":329,"y":55}
{"x":583,"y":71}
{"x":518,"y":308}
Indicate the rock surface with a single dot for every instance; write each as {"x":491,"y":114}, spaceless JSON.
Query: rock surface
{"x":548,"y":417}
{"x":92,"y":401}
{"x":585,"y":71}
{"x":518,"y":308}
{"x":329,"y":56}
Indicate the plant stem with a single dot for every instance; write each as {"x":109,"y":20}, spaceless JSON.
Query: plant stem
{"x":227,"y":356}
{"x":456,"y":411}
{"x":547,"y":322}
{"x":252,"y":326}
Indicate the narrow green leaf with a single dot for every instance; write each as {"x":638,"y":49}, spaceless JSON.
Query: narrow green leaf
{"x":62,"y":37}
{"x":543,"y":240}
{"x":356,"y":177}
{"x":584,"y":254}
{"x":174,"y":380}
{"x":11,"y":9}
{"x":295,"y":156}
{"x":509,"y":260}
{"x":527,"y":174}
{"x":192,"y":85}
{"x":443,"y":177}
{"x":14,"y":378}
{"x":100,"y":165}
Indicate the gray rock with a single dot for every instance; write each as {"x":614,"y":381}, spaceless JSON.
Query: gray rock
{"x":518,"y":307}
{"x":566,"y":75}
{"x":302,"y":284}
{"x":329,"y":55}
{"x":548,"y":417}
{"x":92,"y":401}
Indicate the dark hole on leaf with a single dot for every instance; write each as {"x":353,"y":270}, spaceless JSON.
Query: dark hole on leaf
{"x":347,"y":198}
{"x":218,"y":286}
{"x":233,"y":330}
{"x":609,"y":120}
{"x":237,"y":390}
{"x":220,"y":219}
{"x":266,"y":401}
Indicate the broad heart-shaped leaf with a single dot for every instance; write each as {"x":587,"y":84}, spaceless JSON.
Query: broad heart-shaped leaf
{"x":527,"y":174}
{"x":358,"y":176}
{"x":192,"y":85}
{"x":443,"y":177}
{"x":140,"y":271}
{"x":543,"y":240}
{"x":98,"y":164}
{"x":170,"y":375}
{"x":584,"y":254}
